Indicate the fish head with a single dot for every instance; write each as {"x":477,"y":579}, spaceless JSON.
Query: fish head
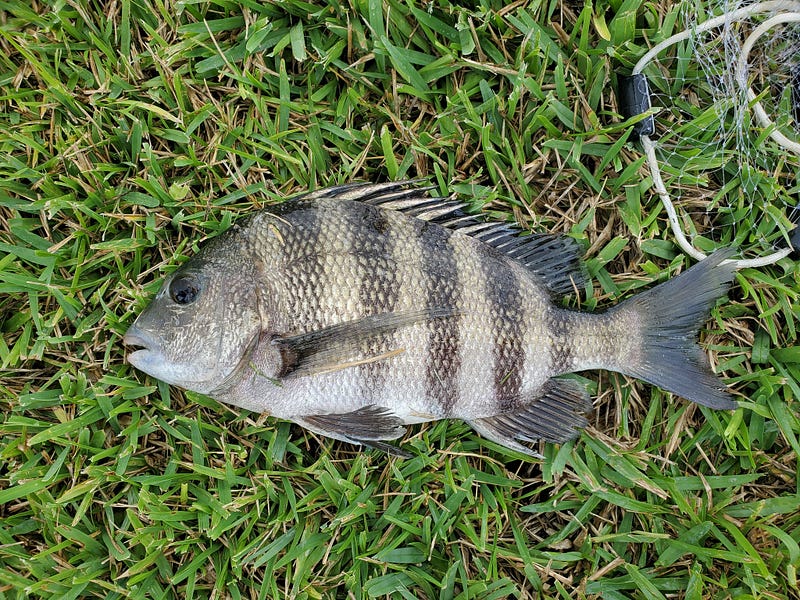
{"x":198,"y":330}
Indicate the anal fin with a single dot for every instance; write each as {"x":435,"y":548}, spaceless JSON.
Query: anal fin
{"x":557,"y":415}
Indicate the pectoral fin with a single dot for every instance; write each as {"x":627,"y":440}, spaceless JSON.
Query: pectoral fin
{"x":556,"y":416}
{"x":369,"y":426}
{"x":346,"y":344}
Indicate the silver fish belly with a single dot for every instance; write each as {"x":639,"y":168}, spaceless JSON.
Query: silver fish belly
{"x":359,"y":309}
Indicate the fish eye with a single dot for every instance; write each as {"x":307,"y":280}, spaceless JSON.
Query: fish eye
{"x":184,"y":289}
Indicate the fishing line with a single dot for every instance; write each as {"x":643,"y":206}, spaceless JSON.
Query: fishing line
{"x":635,"y":99}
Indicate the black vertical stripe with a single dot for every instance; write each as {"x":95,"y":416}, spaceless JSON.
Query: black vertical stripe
{"x":443,"y":290}
{"x":304,"y":265}
{"x":561,"y":335}
{"x":507,"y":313}
{"x":379,"y":285}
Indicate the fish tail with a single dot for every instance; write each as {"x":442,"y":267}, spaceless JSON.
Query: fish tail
{"x":669,"y":318}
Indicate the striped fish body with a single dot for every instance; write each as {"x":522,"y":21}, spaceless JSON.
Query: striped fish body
{"x":357,"y":310}
{"x":341,"y":261}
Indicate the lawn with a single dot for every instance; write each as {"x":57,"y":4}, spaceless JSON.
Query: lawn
{"x":132,"y":130}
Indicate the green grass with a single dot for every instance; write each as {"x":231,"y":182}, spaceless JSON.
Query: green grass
{"x":130,"y":131}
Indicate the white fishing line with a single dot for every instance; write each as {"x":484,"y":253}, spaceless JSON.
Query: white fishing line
{"x":787,"y":11}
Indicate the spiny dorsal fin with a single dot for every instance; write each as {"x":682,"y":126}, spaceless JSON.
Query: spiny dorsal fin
{"x":554,"y":259}
{"x":373,"y":193}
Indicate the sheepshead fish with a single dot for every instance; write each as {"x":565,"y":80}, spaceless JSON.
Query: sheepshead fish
{"x":359,"y":309}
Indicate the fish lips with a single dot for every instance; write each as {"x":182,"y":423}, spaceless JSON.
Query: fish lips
{"x":147,"y":356}
{"x":151,"y":359}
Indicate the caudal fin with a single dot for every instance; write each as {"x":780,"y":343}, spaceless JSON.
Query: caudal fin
{"x":671,"y":315}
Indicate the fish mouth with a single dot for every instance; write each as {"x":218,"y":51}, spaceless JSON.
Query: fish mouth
{"x":136,"y":338}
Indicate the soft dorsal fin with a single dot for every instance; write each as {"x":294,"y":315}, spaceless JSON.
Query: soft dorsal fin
{"x":554,"y":259}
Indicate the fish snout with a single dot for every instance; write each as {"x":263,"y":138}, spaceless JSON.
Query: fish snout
{"x":135,"y":337}
{"x":143,"y":344}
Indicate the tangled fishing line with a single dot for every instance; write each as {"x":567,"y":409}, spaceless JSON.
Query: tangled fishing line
{"x":725,"y":133}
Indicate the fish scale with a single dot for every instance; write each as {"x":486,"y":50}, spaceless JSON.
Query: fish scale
{"x":443,"y":286}
{"x":409,"y":291}
{"x":561,"y":352}
{"x":379,"y":291}
{"x":359,"y":309}
{"x":509,"y":330}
